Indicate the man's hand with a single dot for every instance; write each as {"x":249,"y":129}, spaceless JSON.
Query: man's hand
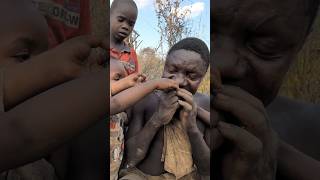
{"x":188,"y":115}
{"x":168,"y":105}
{"x":254,"y":144}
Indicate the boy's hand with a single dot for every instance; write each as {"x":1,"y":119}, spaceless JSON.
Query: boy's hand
{"x":76,"y":55}
{"x":164,"y":84}
{"x":134,"y":79}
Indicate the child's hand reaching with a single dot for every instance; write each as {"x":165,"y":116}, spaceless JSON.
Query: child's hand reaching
{"x":164,"y":84}
{"x":134,"y":79}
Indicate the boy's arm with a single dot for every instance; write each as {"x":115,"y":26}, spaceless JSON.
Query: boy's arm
{"x":126,"y":83}
{"x":33,"y":129}
{"x":61,"y":64}
{"x":129,"y":97}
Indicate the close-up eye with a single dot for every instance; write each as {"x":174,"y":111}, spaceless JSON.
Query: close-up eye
{"x":131,"y":23}
{"x":264,"y":47}
{"x":22,"y":55}
{"x":192,"y":76}
{"x":120,"y":19}
{"x":172,"y":69}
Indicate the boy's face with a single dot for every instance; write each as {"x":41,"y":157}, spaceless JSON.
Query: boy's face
{"x":23,"y":32}
{"x":186,"y":67}
{"x":255,"y":41}
{"x":117,"y":70}
{"x":122,"y":20}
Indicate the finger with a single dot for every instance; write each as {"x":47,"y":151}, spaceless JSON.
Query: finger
{"x":173,"y":100}
{"x":170,"y":94}
{"x":186,"y":106}
{"x":185,"y":95}
{"x":242,"y":139}
{"x":186,"y":92}
{"x":248,"y":116}
{"x":217,"y":139}
{"x":237,"y":92}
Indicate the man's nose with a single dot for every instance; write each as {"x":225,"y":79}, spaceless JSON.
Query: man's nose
{"x":228,"y":59}
{"x":181,"y":80}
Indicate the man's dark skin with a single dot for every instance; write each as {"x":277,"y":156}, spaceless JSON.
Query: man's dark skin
{"x":144,"y":142}
{"x":254,"y":43}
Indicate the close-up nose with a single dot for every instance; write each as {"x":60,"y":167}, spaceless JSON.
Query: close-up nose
{"x":181,"y":80}
{"x":125,"y":26}
{"x":228,"y":60}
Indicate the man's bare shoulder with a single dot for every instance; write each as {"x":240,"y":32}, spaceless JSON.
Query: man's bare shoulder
{"x":297,"y":123}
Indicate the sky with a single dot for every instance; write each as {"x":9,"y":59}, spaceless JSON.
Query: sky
{"x":146,"y":24}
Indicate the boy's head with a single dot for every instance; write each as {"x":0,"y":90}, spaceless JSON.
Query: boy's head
{"x":23,"y":31}
{"x":123,"y":16}
{"x":255,"y":41}
{"x":187,"y":63}
{"x":117,"y":70}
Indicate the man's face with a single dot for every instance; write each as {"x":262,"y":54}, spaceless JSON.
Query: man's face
{"x":23,"y":35}
{"x":255,"y":41}
{"x":122,"y":20}
{"x":186,"y":67}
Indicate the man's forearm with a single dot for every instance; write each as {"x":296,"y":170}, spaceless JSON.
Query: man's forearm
{"x":138,"y":146}
{"x":200,"y":152}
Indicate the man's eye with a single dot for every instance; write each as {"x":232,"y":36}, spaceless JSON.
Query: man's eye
{"x":172,"y":70}
{"x":22,"y":56}
{"x":266,"y":48}
{"x":192,"y":76}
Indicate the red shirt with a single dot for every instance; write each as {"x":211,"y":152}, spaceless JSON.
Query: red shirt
{"x":128,"y":57}
{"x":66,"y":18}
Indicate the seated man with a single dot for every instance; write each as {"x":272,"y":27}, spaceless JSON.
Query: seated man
{"x":164,"y":139}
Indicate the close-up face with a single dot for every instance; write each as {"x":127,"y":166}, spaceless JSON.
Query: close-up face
{"x":117,"y":70}
{"x":24,"y":34}
{"x":122,"y":20}
{"x":255,"y":41}
{"x":186,"y":67}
